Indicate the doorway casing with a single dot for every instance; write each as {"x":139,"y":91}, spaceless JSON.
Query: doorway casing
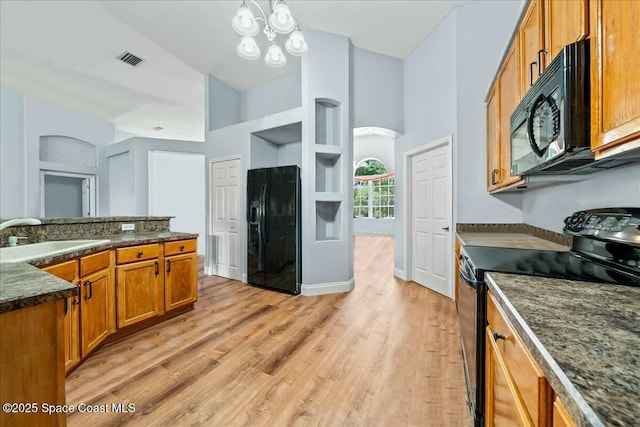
{"x":406,"y":185}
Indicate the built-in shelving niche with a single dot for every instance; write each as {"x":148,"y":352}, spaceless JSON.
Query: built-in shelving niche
{"x":328,"y":172}
{"x":328,"y":122}
{"x":328,"y":221}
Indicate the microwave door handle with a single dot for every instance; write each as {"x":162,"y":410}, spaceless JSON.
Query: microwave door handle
{"x":530,"y":136}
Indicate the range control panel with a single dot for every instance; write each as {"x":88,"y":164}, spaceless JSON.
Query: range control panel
{"x":616,"y":224}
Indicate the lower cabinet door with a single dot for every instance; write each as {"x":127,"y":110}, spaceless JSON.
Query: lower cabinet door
{"x":72,"y":333}
{"x":97,"y":309}
{"x":503,"y":404}
{"x":140,"y":292}
{"x":180,"y":280}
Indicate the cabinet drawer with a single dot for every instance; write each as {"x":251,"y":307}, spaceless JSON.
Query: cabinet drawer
{"x":137,"y":253}
{"x":180,"y":247}
{"x":95,"y":262}
{"x":529,"y":379}
{"x":67,"y":270}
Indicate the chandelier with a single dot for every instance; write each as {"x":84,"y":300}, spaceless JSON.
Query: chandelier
{"x":280,"y":21}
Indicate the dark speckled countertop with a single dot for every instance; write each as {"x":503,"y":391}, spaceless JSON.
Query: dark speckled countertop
{"x":585,"y":337}
{"x":23,"y":285}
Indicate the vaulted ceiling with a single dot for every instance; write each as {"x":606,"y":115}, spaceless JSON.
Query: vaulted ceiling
{"x":65,"y":52}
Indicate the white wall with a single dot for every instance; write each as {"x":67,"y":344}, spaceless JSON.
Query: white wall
{"x":138,"y":149}
{"x":29,"y":120}
{"x":120,"y":194}
{"x":377,"y":90}
{"x":222,"y":104}
{"x":278,"y":95}
{"x":290,"y":154}
{"x":429,"y":106}
{"x":547,"y":207}
{"x":13,"y":188}
{"x":176,"y":188}
{"x":478,"y":55}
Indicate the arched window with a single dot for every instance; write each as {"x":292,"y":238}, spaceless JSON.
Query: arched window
{"x":373,"y":190}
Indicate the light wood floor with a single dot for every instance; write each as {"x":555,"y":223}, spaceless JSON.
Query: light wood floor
{"x":386,"y":354}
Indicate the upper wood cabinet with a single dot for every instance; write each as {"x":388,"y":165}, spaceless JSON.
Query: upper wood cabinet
{"x":531,"y":39}
{"x":493,"y":138}
{"x":615,"y":76}
{"x":510,"y":88}
{"x":565,"y":22}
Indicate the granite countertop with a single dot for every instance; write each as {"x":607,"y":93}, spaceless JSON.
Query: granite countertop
{"x":585,"y":337}
{"x":115,"y":241}
{"x":24,"y":285}
{"x":508,"y":240}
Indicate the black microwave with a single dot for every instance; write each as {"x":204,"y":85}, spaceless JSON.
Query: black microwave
{"x":550,"y":129}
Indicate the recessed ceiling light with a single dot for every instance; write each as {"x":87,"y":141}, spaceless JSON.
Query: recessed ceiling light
{"x":157,"y":128}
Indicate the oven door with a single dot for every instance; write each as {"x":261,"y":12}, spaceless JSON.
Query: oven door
{"x":472,"y":318}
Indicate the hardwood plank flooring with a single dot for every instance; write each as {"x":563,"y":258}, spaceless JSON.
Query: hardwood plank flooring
{"x":386,"y":354}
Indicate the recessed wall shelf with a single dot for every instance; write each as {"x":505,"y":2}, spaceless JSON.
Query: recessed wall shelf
{"x":328,"y":221}
{"x":328,"y":170}
{"x":328,"y":122}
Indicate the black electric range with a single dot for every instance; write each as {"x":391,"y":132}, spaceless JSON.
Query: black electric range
{"x":605,"y":249}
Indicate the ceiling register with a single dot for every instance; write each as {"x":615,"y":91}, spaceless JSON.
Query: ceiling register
{"x":280,"y":21}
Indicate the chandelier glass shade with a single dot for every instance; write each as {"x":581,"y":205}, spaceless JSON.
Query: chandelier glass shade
{"x":280,"y":21}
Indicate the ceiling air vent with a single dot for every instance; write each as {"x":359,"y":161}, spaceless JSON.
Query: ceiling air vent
{"x":130,"y":59}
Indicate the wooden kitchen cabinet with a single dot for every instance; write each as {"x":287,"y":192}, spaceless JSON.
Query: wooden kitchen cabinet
{"x":180,"y":281}
{"x":503,"y":405}
{"x":68,"y":270}
{"x":509,"y":95}
{"x":531,"y":40}
{"x":140,"y":285}
{"x":31,"y":365}
{"x":97,"y":300}
{"x":493,"y":138}
{"x":561,"y":417}
{"x":615,"y":76}
{"x":565,"y":22}
{"x":515,"y":385}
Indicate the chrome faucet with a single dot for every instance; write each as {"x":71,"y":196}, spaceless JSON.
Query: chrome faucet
{"x":19,"y":221}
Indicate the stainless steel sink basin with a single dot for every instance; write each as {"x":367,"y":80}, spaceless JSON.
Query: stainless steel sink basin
{"x":38,"y":250}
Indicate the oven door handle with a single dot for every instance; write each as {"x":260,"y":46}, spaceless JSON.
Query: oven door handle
{"x":530,"y":136}
{"x":464,"y":270}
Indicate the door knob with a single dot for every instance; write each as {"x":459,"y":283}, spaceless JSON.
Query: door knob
{"x":445,"y":228}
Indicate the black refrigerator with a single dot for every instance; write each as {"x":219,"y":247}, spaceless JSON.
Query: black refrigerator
{"x":274,"y":237}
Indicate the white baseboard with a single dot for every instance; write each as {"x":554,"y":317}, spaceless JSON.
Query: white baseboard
{"x":327,"y":288}
{"x":245,"y":279}
{"x":399,"y":274}
{"x":208,"y":270}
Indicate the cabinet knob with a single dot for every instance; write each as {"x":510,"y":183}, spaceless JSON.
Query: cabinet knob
{"x":497,"y":336}
{"x":140,"y":254}
{"x":181,"y":248}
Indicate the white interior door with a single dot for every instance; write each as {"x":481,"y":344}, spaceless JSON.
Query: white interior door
{"x":431,"y":219}
{"x":177,"y":188}
{"x":226,"y":211}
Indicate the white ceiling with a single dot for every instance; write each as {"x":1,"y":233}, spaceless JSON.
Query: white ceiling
{"x":65,"y":52}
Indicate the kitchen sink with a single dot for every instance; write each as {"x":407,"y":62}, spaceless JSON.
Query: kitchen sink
{"x":38,"y":250}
